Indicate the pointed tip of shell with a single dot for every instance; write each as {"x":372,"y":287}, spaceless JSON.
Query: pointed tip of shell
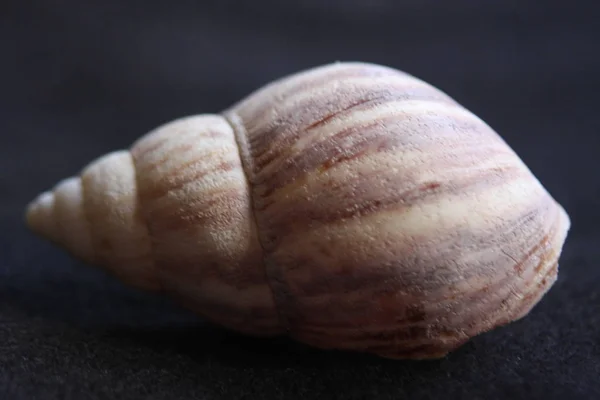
{"x":57,"y":215}
{"x":39,"y":215}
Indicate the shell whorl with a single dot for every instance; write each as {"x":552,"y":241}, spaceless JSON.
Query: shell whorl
{"x":196,"y":201}
{"x":393,"y":220}
{"x":352,"y":206}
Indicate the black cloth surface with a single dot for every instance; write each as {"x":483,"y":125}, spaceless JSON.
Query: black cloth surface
{"x":79,"y":79}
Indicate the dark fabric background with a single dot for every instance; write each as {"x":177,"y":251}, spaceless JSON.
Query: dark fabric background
{"x":81,"y":78}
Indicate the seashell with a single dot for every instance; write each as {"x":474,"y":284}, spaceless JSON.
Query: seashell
{"x":351,"y":206}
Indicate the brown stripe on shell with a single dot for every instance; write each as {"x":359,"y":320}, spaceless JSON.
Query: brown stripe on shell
{"x":295,"y":124}
{"x":297,"y":85}
{"x":361,"y":198}
{"x":256,"y":108}
{"x":186,"y":174}
{"x":172,"y":153}
{"x":535,"y":295}
{"x":353,"y":142}
{"x":305,"y":115}
{"x":274,"y":152}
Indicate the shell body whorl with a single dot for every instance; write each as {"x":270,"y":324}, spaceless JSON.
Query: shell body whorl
{"x":352,"y":206}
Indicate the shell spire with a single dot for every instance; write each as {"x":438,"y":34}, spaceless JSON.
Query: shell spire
{"x":351,"y":206}
{"x":96,"y":217}
{"x":173,"y":213}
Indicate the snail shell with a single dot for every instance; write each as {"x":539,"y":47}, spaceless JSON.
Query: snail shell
{"x":351,"y":206}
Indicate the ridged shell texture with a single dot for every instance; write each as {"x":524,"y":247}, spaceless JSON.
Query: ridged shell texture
{"x":351,"y":206}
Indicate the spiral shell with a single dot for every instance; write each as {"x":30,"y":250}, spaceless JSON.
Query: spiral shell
{"x":351,"y":206}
